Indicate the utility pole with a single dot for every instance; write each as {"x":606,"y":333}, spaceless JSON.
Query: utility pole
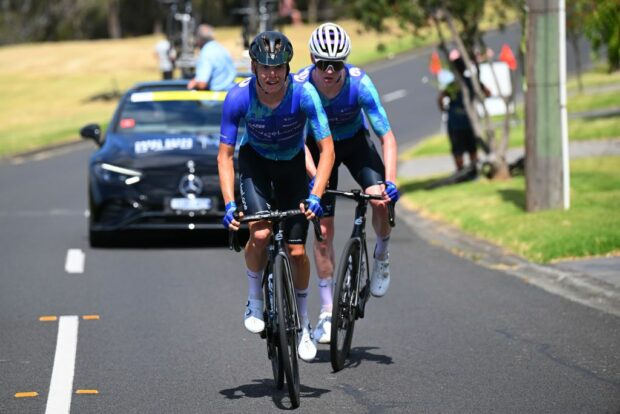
{"x":546,"y":147}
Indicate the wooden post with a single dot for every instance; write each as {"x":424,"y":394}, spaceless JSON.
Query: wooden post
{"x":546,"y":161}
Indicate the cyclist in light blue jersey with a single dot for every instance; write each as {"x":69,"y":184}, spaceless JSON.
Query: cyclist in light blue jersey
{"x":276,"y":110}
{"x":347,"y":93}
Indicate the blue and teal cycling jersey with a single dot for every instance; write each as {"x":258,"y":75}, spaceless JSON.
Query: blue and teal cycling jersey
{"x":276,"y":134}
{"x":344,"y":111}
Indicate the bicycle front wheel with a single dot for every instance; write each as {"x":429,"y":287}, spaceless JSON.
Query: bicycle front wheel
{"x":287,"y":325}
{"x":343,"y":312}
{"x":271,"y":335}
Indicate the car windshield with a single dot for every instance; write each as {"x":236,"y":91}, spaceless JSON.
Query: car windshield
{"x":190,"y":116}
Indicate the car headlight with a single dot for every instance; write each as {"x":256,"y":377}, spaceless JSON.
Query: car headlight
{"x":110,"y":173}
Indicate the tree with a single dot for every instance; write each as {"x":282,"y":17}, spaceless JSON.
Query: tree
{"x":602,"y":27}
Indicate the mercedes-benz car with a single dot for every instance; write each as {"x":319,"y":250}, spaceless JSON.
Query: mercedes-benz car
{"x":156,"y":165}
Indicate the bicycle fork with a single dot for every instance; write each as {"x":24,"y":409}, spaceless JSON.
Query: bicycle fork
{"x":361,"y":293}
{"x":295,"y":324}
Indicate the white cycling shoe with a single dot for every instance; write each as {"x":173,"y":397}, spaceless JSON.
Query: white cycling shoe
{"x":253,"y":318}
{"x":306,"y":348}
{"x":323,"y":329}
{"x":380,"y":279}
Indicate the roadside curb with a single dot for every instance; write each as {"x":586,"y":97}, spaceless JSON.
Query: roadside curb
{"x":45,"y":152}
{"x":575,"y":286}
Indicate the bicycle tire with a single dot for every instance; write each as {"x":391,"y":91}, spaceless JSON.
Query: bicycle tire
{"x":344,"y":314}
{"x":287,"y":326}
{"x":271,"y":337}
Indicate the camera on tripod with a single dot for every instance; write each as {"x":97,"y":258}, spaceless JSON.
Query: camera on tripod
{"x":180,"y":28}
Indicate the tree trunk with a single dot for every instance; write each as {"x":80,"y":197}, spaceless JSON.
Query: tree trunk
{"x":574,"y":41}
{"x":114,"y":19}
{"x":313,"y":11}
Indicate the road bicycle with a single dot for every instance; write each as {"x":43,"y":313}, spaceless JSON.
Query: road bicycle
{"x":352,"y":289}
{"x":282,"y":324}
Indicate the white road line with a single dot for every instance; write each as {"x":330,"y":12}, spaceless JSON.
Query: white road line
{"x":42,"y":213}
{"x":61,"y":385}
{"x":75,"y":261}
{"x":392,"y":96}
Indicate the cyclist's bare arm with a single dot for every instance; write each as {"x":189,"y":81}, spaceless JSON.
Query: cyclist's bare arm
{"x":390,"y":155}
{"x":326,"y":162}
{"x":310,"y":166}
{"x":226,"y":170}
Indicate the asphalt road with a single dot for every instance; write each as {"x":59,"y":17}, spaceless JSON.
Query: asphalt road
{"x":165,"y":332}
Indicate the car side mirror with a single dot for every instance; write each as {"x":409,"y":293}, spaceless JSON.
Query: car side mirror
{"x":92,"y":131}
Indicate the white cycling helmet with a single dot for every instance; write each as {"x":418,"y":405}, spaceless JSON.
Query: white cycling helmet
{"x":330,"y":42}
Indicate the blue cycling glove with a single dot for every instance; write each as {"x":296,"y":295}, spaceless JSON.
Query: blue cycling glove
{"x":231,"y":207}
{"x":314,"y":205}
{"x":392,"y":191}
{"x":311,"y":184}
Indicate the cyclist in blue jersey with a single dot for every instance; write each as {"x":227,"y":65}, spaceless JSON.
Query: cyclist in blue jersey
{"x":347,"y":93}
{"x":275,"y":109}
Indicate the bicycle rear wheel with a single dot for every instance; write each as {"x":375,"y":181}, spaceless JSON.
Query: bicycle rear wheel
{"x":343,"y":312}
{"x":271,"y":336}
{"x":287,"y":326}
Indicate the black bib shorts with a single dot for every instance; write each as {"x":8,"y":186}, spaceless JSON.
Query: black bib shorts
{"x":360,"y":156}
{"x":268,"y":185}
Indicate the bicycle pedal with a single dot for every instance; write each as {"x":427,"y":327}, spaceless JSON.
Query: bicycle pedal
{"x":263,"y":334}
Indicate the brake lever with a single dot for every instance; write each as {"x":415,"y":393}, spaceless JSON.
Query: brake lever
{"x":233,"y":241}
{"x":316,"y":223}
{"x":233,"y":237}
{"x":391,"y":214}
{"x":317,"y":229}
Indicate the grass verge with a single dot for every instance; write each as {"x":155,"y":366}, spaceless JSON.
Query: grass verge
{"x":495,"y":210}
{"x":579,"y":129}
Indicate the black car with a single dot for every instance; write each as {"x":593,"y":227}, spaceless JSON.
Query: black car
{"x":156,"y":167}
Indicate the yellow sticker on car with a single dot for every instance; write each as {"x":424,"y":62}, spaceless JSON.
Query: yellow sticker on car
{"x":159,"y":96}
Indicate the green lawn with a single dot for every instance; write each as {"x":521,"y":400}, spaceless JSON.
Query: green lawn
{"x":494,"y":210}
{"x":579,"y":129}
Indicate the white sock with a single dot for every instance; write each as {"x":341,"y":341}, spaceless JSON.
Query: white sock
{"x":255,"y":284}
{"x":381,"y":248}
{"x":326,"y":291}
{"x":301,"y":296}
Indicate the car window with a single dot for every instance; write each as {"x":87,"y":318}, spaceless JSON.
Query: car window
{"x":170,"y":117}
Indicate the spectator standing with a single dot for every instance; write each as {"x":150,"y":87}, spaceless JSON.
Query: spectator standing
{"x":165,"y":55}
{"x":215,"y":69}
{"x":460,"y":131}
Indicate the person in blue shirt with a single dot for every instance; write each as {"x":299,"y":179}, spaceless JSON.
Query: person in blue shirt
{"x":277,"y":111}
{"x":347,"y":93}
{"x":215,"y":69}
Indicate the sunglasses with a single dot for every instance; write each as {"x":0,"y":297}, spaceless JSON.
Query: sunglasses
{"x":336,"y":65}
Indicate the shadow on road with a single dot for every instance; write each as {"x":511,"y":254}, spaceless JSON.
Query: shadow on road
{"x":260,"y":388}
{"x":360,"y":353}
{"x":169,"y":239}
{"x":357,"y":355}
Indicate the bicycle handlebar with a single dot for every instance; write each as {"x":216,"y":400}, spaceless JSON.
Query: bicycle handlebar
{"x":358,"y":195}
{"x":275,"y":216}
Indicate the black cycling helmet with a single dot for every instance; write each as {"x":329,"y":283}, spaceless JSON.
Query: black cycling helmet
{"x":271,"y":49}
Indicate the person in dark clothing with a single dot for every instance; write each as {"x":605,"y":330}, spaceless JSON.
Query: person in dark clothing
{"x":460,"y":131}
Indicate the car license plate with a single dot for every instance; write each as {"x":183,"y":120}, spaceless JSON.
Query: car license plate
{"x":190,"y":204}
